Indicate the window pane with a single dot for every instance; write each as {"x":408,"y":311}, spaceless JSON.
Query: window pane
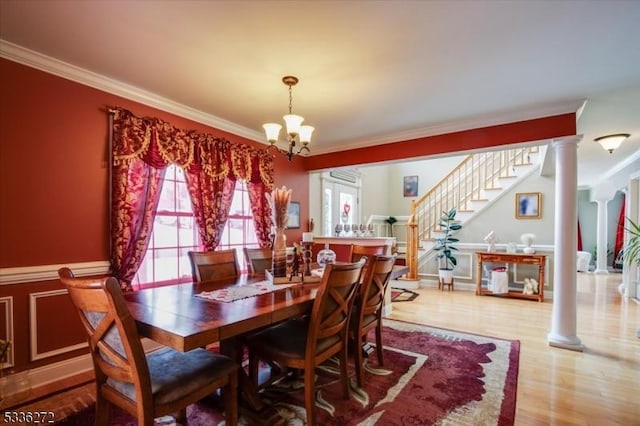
{"x":236,"y":204}
{"x":179,"y":173}
{"x":183,"y":201}
{"x":250,"y":234}
{"x":145,"y":272}
{"x":166,"y":264}
{"x":187,"y":232}
{"x":165,"y":231}
{"x":236,"y":231}
{"x":167,"y":197}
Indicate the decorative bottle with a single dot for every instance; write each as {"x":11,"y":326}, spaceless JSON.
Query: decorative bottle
{"x":326,"y":256}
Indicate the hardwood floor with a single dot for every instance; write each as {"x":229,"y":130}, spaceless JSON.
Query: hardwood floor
{"x":600,"y":386}
{"x":555,"y":386}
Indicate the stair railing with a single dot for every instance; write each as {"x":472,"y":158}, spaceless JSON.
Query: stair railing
{"x":464,"y":184}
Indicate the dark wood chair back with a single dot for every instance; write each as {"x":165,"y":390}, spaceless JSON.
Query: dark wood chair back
{"x":122,"y":372}
{"x":214,"y":265}
{"x":328,"y":329}
{"x":306,"y":343}
{"x":357,"y":251}
{"x":367,"y":311}
{"x":258,"y":259}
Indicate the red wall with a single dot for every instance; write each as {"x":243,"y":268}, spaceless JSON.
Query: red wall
{"x":53,"y":169}
{"x":502,"y":134}
{"x":53,"y":191}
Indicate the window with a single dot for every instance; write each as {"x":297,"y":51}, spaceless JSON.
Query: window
{"x":175,"y":233}
{"x":239,"y":231}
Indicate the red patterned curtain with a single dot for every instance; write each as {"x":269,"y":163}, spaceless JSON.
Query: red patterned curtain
{"x":261,"y":212}
{"x":142,"y":149}
{"x":211,"y":200}
{"x":136,"y":193}
{"x":619,"y":232}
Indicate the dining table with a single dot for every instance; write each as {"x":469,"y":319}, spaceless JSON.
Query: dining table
{"x":179,"y":317}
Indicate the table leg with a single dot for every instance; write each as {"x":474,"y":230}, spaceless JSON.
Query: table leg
{"x":250,"y":403}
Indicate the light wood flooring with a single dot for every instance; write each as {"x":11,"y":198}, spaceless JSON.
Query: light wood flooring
{"x":600,"y":386}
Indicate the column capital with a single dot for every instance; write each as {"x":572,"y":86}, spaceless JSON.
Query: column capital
{"x":566,"y":141}
{"x":603,"y":192}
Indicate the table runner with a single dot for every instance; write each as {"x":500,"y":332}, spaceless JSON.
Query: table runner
{"x":230,"y":294}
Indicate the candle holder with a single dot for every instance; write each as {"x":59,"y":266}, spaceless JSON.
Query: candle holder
{"x":306,"y":258}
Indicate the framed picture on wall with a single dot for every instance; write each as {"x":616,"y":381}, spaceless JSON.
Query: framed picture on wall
{"x":410,"y":186}
{"x":528,"y":205}
{"x":294,"y":215}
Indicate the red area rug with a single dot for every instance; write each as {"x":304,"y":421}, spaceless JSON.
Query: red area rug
{"x":431,"y":376}
{"x":402,"y":295}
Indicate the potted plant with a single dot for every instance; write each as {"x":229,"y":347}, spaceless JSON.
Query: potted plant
{"x":632,"y":251}
{"x":391,"y":220}
{"x":445,"y":246}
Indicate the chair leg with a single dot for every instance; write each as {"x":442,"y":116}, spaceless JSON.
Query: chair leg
{"x":181,"y":416}
{"x":359,"y":359}
{"x":230,"y":396}
{"x":254,"y":366}
{"x":145,"y":418}
{"x":310,"y":395}
{"x":344,"y":372}
{"x":102,"y":411}
{"x":379,"y":342}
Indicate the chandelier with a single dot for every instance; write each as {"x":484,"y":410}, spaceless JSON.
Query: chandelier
{"x":295,"y":131}
{"x":612,"y":142}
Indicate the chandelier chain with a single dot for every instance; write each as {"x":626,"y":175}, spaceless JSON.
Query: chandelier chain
{"x":290,"y":100}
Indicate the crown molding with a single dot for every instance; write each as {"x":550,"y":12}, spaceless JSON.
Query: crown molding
{"x":33,"y":59}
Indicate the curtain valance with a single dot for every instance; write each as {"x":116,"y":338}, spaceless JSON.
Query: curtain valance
{"x":159,"y":144}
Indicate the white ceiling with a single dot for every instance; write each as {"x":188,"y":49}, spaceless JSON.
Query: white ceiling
{"x":370,"y":71}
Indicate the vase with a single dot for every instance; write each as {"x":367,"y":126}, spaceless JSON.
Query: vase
{"x":326,"y":256}
{"x":279,"y":258}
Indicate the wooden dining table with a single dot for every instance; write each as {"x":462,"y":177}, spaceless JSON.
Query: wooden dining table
{"x":174,"y":316}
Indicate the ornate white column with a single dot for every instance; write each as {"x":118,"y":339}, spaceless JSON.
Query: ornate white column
{"x":564,"y":314}
{"x":602,"y":194}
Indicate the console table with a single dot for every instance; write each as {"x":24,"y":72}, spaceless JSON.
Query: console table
{"x":513,"y":258}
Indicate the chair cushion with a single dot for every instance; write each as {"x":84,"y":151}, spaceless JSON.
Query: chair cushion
{"x":176,"y":374}
{"x":288,"y":339}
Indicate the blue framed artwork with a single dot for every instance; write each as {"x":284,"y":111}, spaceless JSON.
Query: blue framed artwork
{"x":410,"y":186}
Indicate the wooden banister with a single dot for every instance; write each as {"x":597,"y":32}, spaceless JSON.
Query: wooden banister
{"x":461,"y":186}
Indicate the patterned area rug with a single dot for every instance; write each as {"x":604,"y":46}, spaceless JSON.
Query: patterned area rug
{"x":430,"y":376}
{"x":402,"y":295}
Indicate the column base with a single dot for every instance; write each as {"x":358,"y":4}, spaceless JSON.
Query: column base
{"x":601,"y":272}
{"x":572,"y":343}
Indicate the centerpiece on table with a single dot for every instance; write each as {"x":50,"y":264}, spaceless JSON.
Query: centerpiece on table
{"x":279,"y":201}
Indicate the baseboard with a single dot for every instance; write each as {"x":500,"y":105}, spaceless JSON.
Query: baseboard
{"x":58,"y":376}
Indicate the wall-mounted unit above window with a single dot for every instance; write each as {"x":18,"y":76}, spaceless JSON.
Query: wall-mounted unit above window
{"x":345,"y":175}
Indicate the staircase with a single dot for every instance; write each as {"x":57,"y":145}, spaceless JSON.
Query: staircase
{"x":469,"y":188}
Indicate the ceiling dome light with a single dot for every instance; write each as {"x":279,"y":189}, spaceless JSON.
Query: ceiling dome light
{"x":612,"y":142}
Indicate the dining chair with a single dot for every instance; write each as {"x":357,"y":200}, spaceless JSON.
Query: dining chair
{"x":306,"y":343}
{"x":258,"y":259}
{"x":149,"y":385}
{"x":367,"y":309}
{"x":357,"y":251}
{"x":214,"y":265}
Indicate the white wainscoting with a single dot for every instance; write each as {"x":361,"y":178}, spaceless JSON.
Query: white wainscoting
{"x":33,"y":327}
{"x":7,"y":303}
